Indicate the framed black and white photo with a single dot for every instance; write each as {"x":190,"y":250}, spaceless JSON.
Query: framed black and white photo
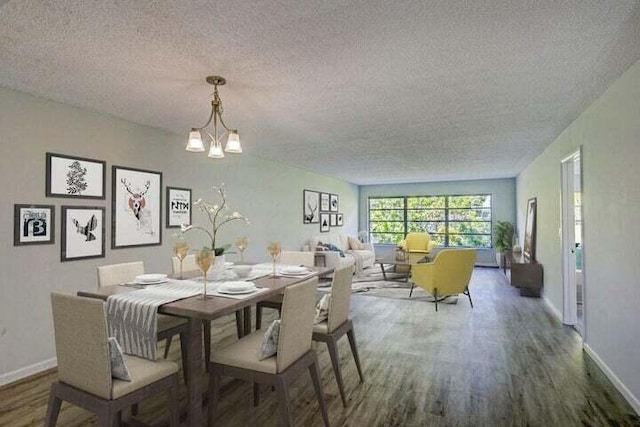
{"x":339,"y":220}
{"x":83,"y":232}
{"x":324,"y":222}
{"x":76,"y":177}
{"x":310,"y":207}
{"x":33,"y":224}
{"x":178,"y":207}
{"x":324,"y":202}
{"x":333,"y":220}
{"x":136,"y":208}
{"x":333,"y":201}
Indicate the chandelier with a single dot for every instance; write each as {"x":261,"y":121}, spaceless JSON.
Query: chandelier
{"x":198,"y":135}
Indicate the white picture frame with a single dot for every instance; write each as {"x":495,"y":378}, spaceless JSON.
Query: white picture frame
{"x":178,"y":203}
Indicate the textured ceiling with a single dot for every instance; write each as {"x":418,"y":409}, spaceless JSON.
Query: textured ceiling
{"x":369,"y":91}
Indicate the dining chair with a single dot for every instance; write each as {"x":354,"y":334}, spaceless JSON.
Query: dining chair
{"x":306,"y":259}
{"x":84,"y":368}
{"x":294,"y":355}
{"x":338,"y":324}
{"x":188,"y":264}
{"x":168,"y":326}
{"x":448,"y":274}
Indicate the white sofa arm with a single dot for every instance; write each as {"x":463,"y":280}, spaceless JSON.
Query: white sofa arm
{"x":369,"y":247}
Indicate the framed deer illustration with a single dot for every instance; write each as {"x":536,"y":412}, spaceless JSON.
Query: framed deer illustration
{"x":310,"y":207}
{"x":136,"y":207}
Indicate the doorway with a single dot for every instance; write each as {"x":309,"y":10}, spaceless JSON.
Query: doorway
{"x":572,"y":243}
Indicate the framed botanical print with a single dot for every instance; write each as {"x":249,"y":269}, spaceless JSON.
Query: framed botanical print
{"x":333,"y":202}
{"x":324,"y":202}
{"x":33,"y":225}
{"x":75,"y":177}
{"x":178,"y":207}
{"x":339,"y":220}
{"x":311,"y":202}
{"x":83,"y":232}
{"x":333,"y":220}
{"x":136,"y":207}
{"x":324,"y":222}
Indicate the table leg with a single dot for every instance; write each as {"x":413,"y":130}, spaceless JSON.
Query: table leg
{"x":247,"y":320}
{"x":194,"y":373}
{"x":384,"y":273}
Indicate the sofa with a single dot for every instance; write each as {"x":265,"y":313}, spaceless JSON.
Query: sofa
{"x":359,"y":258}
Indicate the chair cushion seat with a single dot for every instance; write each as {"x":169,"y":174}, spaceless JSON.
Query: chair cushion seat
{"x":167,"y":322}
{"x":143,"y":372}
{"x":245,"y":353}
{"x":322,"y":328}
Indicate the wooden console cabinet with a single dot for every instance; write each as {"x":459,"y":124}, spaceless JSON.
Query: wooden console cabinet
{"x":525,"y":275}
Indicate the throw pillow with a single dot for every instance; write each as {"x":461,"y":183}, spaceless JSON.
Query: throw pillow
{"x":119,"y":368}
{"x":270,"y":341}
{"x":322,"y":309}
{"x":354,"y":244}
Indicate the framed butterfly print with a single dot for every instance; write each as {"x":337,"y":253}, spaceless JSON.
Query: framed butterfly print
{"x":83,"y":232}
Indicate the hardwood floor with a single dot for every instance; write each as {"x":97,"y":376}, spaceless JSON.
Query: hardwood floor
{"x":506,"y":362}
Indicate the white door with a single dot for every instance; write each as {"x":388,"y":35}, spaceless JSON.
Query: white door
{"x":572,"y":245}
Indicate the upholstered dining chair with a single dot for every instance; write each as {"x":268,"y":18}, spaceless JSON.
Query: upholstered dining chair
{"x":294,"y":355}
{"x":305,"y":259}
{"x":338,"y":324}
{"x":188,"y":264}
{"x":448,"y":274}
{"x":84,"y":368}
{"x":168,"y":326}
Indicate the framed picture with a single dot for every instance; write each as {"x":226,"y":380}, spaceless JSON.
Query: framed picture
{"x":77,"y":177}
{"x":324,"y":202}
{"x":83,"y":232}
{"x":529,"y":249}
{"x":333,"y":220}
{"x":339,"y":220}
{"x":33,"y":224}
{"x":178,"y":207}
{"x":136,"y":207}
{"x":334,"y":203}
{"x":324,"y":222}
{"x":310,"y":205}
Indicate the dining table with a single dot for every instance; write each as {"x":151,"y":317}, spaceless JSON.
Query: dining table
{"x":197,"y":309}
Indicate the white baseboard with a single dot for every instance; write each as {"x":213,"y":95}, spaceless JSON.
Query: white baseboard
{"x":27,"y":371}
{"x":552,"y":309}
{"x":619,"y":385}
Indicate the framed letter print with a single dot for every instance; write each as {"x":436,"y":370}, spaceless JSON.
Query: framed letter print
{"x":311,"y":201}
{"x":136,"y":207}
{"x":178,"y":207}
{"x":334,"y":202}
{"x":33,"y":224}
{"x":82,"y":232}
{"x":530,"y":231}
{"x":324,"y":202}
{"x":324,"y":222}
{"x":76,"y":177}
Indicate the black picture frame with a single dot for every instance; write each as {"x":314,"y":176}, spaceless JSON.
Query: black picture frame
{"x":34,"y":224}
{"x":325,"y":225}
{"x":68,"y":176}
{"x":339,"y":220}
{"x":178,"y":207}
{"x":310,"y":207}
{"x":334,"y":203}
{"x":83,"y":232}
{"x":136,"y":207}
{"x":324,"y":202}
{"x":529,"y":248}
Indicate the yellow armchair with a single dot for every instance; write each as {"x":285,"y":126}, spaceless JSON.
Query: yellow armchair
{"x":418,"y":244}
{"x":448,"y":274}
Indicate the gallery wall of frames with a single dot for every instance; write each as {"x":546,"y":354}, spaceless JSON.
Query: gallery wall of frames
{"x":136,"y":208}
{"x":321,"y":208}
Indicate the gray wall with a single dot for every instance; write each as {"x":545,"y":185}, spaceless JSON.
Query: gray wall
{"x":267,"y":192}
{"x":502,"y":192}
{"x":609,"y":133}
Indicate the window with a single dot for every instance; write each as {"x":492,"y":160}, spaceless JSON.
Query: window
{"x":450,"y":220}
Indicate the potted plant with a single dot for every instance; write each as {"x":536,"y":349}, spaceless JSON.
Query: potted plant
{"x":504,"y":236}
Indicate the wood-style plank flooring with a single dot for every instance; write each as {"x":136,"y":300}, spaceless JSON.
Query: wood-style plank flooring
{"x":507,"y":362}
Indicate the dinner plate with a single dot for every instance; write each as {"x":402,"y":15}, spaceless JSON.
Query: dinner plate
{"x":238,"y":292}
{"x":235,"y":286}
{"x":294,"y":270}
{"x":150,"y":278}
{"x":157,"y":282}
{"x":297,"y":273}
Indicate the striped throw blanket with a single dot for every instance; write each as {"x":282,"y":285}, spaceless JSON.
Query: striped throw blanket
{"x":132,"y":316}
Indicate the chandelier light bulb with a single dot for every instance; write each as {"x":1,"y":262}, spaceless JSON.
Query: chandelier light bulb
{"x":195,"y":141}
{"x":233,"y":143}
{"x":215,"y":151}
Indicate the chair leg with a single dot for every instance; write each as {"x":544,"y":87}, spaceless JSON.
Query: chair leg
{"x":239,"y":324}
{"x":335,"y":363}
{"x":282,"y":391}
{"x":469,"y":295}
{"x":256,"y":394}
{"x":167,"y":347}
{"x":354,"y":351}
{"x":435,"y":296}
{"x":313,"y":370}
{"x":258,"y":316}
{"x":214,"y":393}
{"x":184,"y":346}
{"x":206,"y":328}
{"x":134,"y":409}
{"x":174,"y":403}
{"x":53,"y":408}
{"x":411,"y":291}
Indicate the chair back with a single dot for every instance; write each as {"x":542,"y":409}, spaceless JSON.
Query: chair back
{"x":306,"y":259}
{"x":340,"y":298}
{"x":449,"y":273}
{"x":296,"y":322}
{"x":188,"y":264}
{"x":417,"y":242}
{"x":116,"y":274}
{"x":82,"y":347}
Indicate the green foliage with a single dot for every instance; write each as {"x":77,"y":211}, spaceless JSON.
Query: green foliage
{"x":504,"y":235}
